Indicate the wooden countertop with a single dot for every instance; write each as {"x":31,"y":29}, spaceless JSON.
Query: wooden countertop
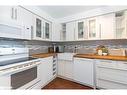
{"x":108,"y":57}
{"x":90,"y":56}
{"x":43,"y":55}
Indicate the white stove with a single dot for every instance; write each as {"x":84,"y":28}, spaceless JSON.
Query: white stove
{"x":17,"y":69}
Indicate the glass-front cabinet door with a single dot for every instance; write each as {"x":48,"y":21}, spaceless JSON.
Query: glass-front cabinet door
{"x":121,"y":25}
{"x":38,"y":28}
{"x":47,"y":30}
{"x":93,"y":28}
{"x":63,"y":32}
{"x":81,"y":30}
{"x":42,"y":29}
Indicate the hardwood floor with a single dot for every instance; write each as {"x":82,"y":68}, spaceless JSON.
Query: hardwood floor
{"x":60,"y":83}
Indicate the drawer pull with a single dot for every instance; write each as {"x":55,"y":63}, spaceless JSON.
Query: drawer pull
{"x":106,"y":61}
{"x":125,"y":63}
{"x":114,"y":81}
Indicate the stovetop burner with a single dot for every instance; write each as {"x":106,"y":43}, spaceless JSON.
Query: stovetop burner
{"x":20,"y":60}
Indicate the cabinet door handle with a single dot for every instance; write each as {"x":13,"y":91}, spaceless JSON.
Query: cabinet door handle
{"x":82,"y":33}
{"x":100,"y":30}
{"x":126,"y":26}
{"x":43,"y":32}
{"x":106,"y":61}
{"x":12,"y":13}
{"x":74,"y":35}
{"x":87,"y":27}
{"x":32,"y":31}
{"x":124,"y":63}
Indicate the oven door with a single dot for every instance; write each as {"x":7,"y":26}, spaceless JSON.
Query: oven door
{"x":26,"y":79}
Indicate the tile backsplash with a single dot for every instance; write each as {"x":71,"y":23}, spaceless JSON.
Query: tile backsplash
{"x":34,"y":46}
{"x":11,"y":43}
{"x":88,"y":46}
{"x":80,"y":46}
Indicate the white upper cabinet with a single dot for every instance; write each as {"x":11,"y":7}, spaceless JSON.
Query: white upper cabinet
{"x":26,"y":19}
{"x":38,"y":28}
{"x":9,"y":15}
{"x":93,"y":28}
{"x":42,"y":29}
{"x":17,"y":22}
{"x":81,"y":30}
{"x":11,"y":23}
{"x":121,"y":25}
{"x":56,"y":34}
{"x":107,"y":26}
{"x":63,"y":32}
{"x":70,"y":31}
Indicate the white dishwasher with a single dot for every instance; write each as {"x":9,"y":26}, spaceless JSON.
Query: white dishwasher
{"x":84,"y":71}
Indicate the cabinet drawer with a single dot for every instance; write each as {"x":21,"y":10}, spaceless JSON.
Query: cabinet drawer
{"x":118,"y":76}
{"x":106,"y":63}
{"x":122,"y":65}
{"x":110,"y":85}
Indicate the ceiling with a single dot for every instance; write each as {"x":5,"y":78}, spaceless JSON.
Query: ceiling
{"x":62,"y":11}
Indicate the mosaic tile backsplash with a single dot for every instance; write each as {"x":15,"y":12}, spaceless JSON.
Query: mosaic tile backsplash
{"x":90,"y":46}
{"x":78,"y":46}
{"x":34,"y":46}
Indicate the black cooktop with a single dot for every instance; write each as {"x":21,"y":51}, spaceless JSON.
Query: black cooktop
{"x":20,"y":60}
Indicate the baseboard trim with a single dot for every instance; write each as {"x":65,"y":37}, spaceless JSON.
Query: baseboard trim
{"x":48,"y":82}
{"x":76,"y":81}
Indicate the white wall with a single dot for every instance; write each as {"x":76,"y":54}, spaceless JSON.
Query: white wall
{"x":91,"y":13}
{"x":41,"y":13}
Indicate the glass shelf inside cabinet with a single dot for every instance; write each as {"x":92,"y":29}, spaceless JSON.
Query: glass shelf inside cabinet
{"x":120,"y":25}
{"x":63,"y":32}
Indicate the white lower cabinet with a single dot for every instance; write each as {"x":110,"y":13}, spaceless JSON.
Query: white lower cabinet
{"x":65,"y":65}
{"x":111,"y":74}
{"x":97,"y":73}
{"x":43,"y":74}
{"x":61,"y":67}
{"x":80,"y":70}
{"x":46,"y":70}
{"x":69,"y":69}
{"x":65,"y":69}
{"x":84,"y":71}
